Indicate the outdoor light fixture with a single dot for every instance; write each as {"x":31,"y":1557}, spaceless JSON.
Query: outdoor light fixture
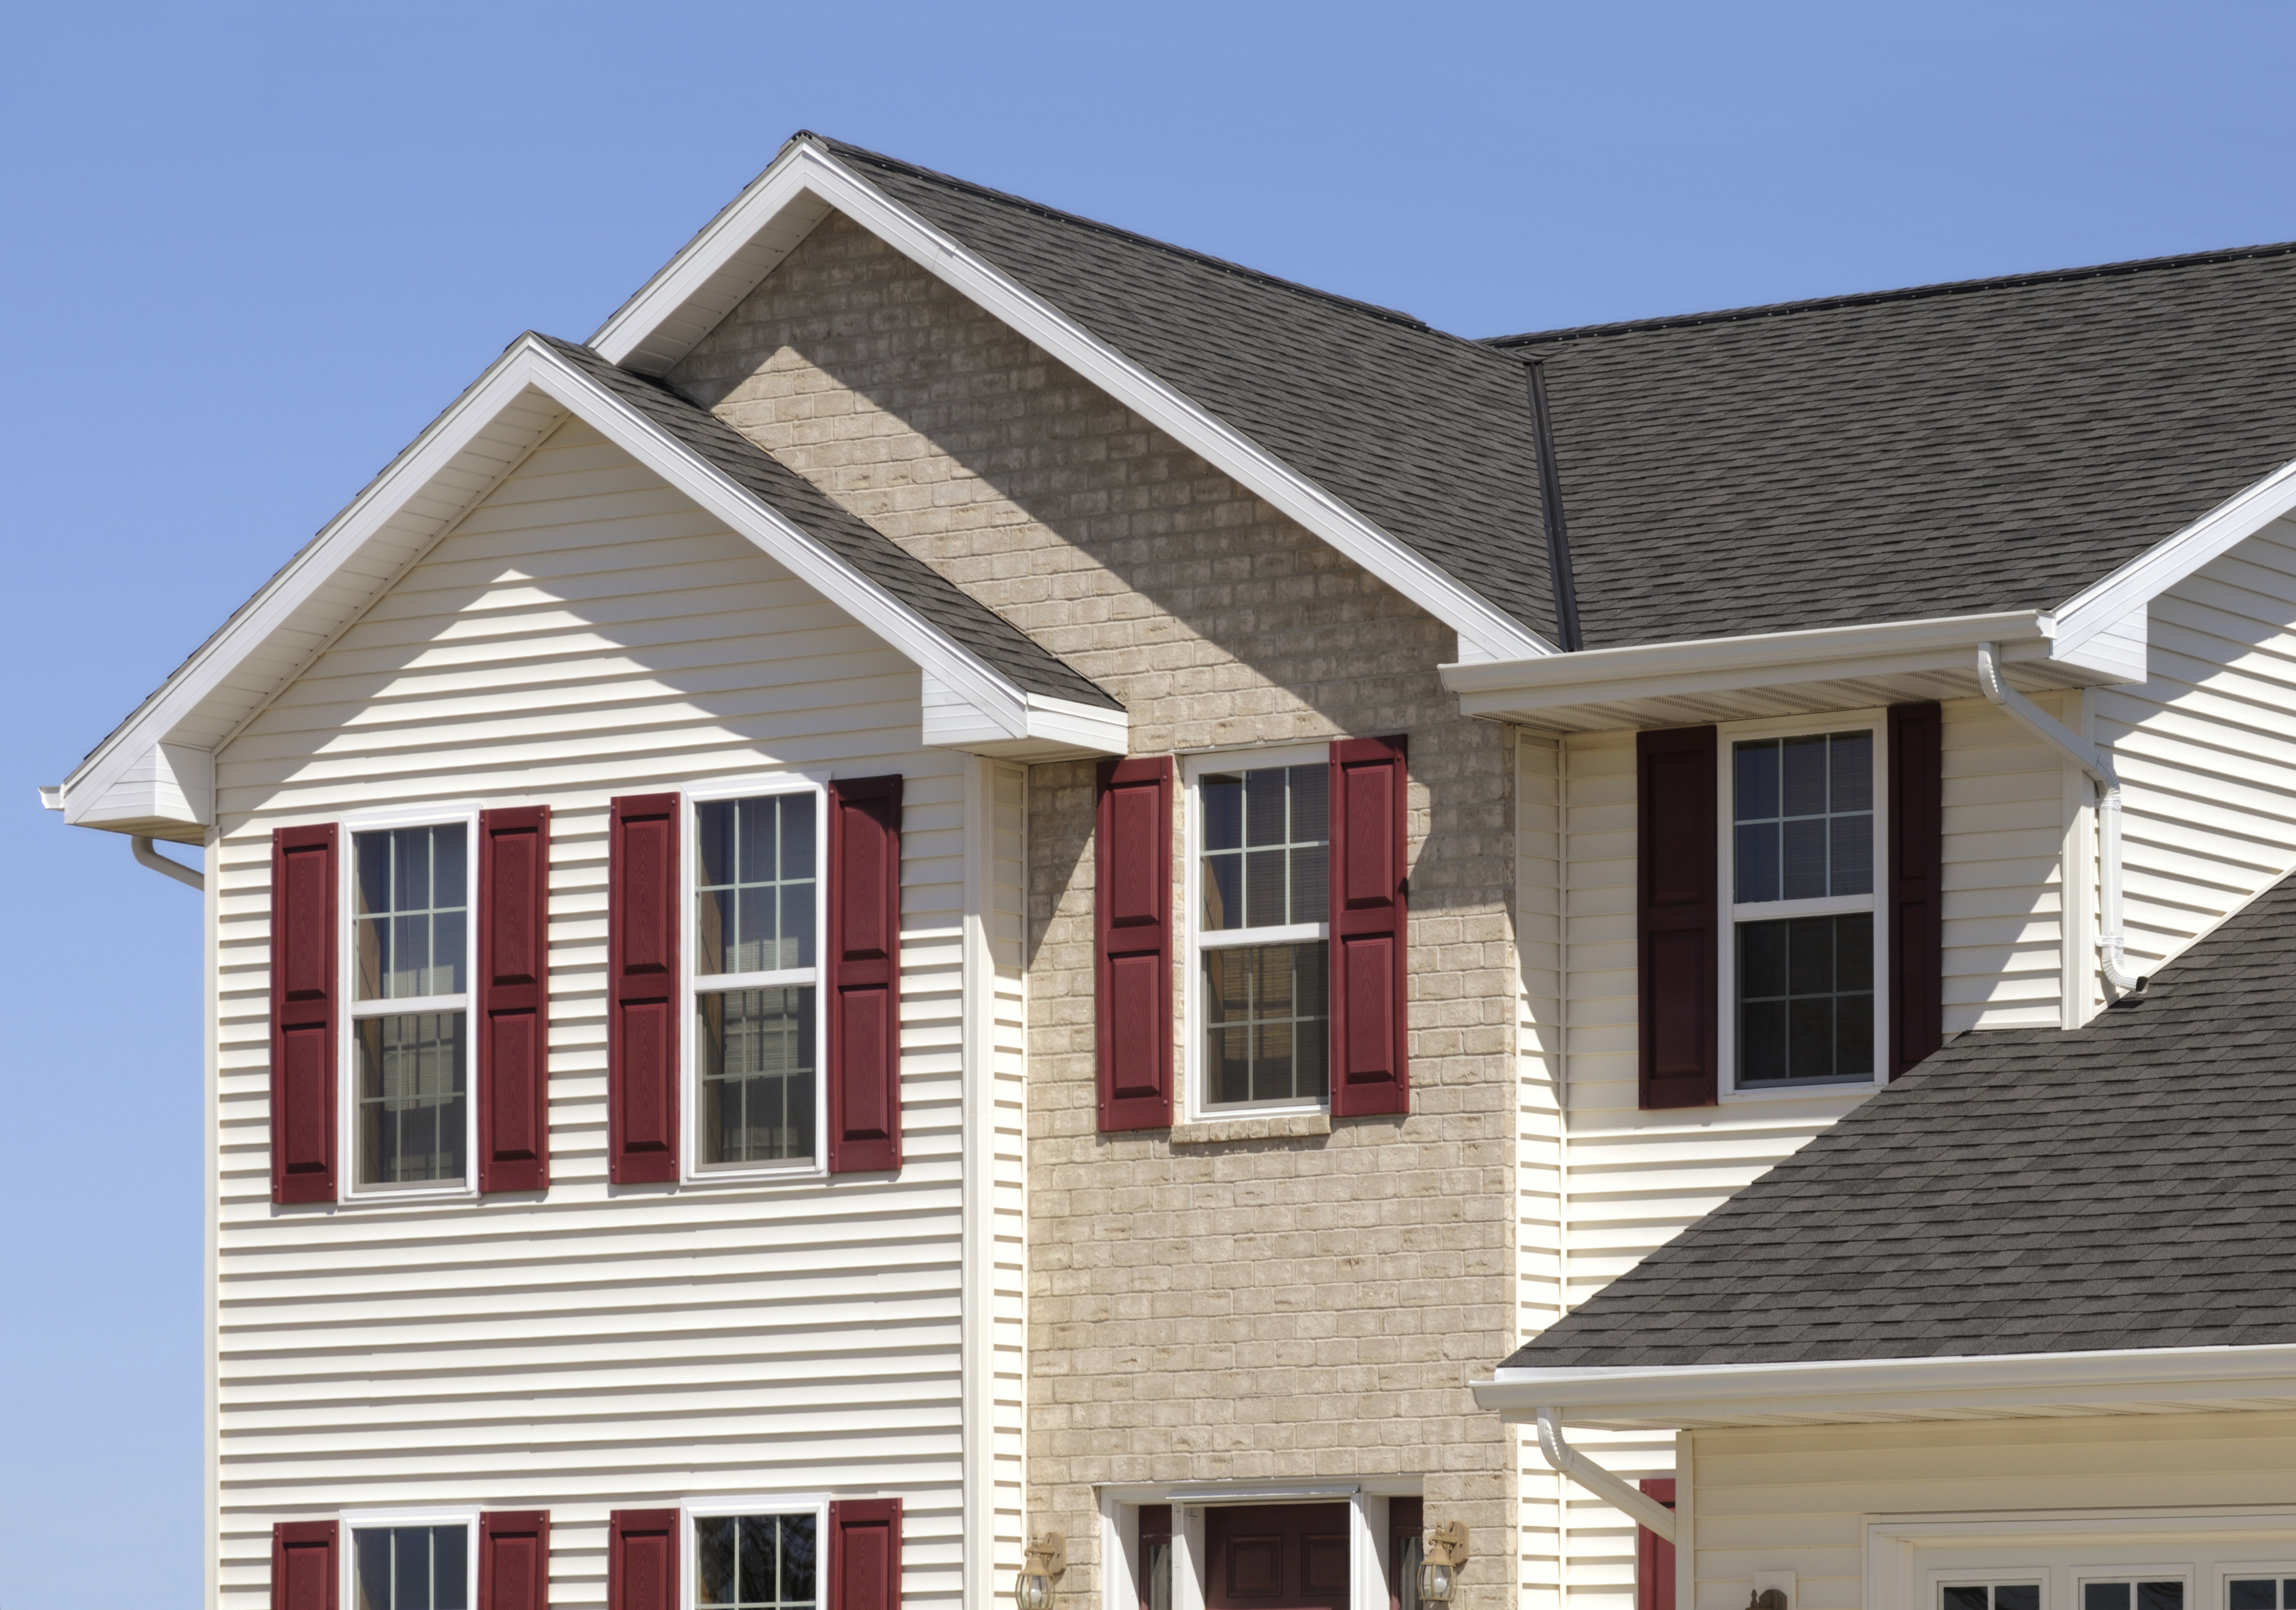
{"x":1048,"y":1557}
{"x":1767,"y":1599}
{"x":1440,"y":1566}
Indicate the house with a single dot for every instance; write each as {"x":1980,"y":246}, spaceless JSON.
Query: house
{"x":976,"y":880}
{"x":2019,"y":1332}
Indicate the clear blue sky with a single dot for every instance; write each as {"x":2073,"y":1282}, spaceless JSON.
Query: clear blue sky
{"x":252,"y":250}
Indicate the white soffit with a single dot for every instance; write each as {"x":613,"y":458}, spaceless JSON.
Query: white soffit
{"x":750,"y":238}
{"x":527,"y":393}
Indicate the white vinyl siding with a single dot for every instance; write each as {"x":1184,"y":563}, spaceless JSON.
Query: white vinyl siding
{"x":585,"y":633}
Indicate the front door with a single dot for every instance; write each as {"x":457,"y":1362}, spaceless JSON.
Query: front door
{"x":1276,"y":1556}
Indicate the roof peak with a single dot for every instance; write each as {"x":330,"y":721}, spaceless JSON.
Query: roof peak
{"x":1910,"y":293}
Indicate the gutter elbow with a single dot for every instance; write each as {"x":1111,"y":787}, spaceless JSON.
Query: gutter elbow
{"x":1611,"y":1488}
{"x":148,"y":855}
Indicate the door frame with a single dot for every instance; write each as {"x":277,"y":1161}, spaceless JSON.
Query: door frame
{"x":1119,"y":1532}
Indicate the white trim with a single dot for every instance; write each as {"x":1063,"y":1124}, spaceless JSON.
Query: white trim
{"x":1726,"y":737}
{"x":531,"y":369}
{"x":349,"y":1521}
{"x":720,"y":265}
{"x":2169,"y":561}
{"x":689,"y":1564}
{"x":758,"y":785}
{"x":356,"y":1011}
{"x":1907,"y":1557}
{"x":977,"y":1153}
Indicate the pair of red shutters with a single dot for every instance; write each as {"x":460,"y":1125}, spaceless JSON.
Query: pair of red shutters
{"x":1133,"y":935}
{"x":1681,"y":917}
{"x":511,"y":1006}
{"x":643,"y":1555}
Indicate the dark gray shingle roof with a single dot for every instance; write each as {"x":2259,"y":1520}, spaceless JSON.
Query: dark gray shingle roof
{"x":2125,"y":1185}
{"x":987,"y":635}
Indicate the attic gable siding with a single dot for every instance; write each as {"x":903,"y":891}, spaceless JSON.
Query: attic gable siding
{"x":585,"y":632}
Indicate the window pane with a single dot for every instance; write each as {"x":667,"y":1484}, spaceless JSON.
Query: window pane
{"x":798,"y":1574}
{"x":760,"y":1565}
{"x":1758,"y":860}
{"x":1804,"y":813}
{"x":1964,"y":1598}
{"x":2104,"y":1595}
{"x":754,"y":884}
{"x":2252,"y":1596}
{"x":2160,"y":1596}
{"x":755,"y":1050}
{"x":1266,"y":1022}
{"x":1156,"y":1574}
{"x":1222,"y":798}
{"x":412,"y":1122}
{"x":2024,"y":1595}
{"x":370,"y":1555}
{"x":714,"y":1537}
{"x":409,"y":893}
{"x":1267,"y":850}
{"x":1806,"y":998}
{"x":1758,"y":781}
{"x":450,"y":1567}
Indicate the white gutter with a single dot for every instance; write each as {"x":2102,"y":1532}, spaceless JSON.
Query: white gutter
{"x":2098,"y":763}
{"x":150,"y":857}
{"x":1611,"y":1489}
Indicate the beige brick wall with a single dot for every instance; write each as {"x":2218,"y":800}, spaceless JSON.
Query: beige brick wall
{"x":1306,"y":1308}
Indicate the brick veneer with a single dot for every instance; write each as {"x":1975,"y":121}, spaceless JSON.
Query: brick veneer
{"x":1283,"y":1308}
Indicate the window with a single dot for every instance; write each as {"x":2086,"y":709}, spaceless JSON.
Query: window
{"x":1800,"y":962}
{"x":755,"y":1562}
{"x":2260,"y":1593}
{"x":2133,"y":1595}
{"x":410,"y":1114}
{"x":1155,"y":1557}
{"x":757,"y":942}
{"x":1989,"y":1596}
{"x":412,"y":1568}
{"x":1261,"y":926}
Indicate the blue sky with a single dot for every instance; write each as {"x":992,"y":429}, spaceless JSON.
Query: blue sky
{"x":253,"y":250}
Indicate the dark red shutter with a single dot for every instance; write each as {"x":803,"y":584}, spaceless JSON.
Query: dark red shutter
{"x":1916,"y":884}
{"x":305,"y":982}
{"x":642,"y":1547}
{"x":514,"y":999}
{"x":1132,"y":942}
{"x":1654,"y":1555}
{"x":303,"y":1569}
{"x":864,"y":974}
{"x":865,"y":1554}
{"x":514,"y":1560}
{"x":642,"y":1012}
{"x":1370,"y":934}
{"x":1678,"y":915}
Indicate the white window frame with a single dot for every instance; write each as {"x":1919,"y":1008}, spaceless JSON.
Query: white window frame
{"x":346,"y":1113}
{"x":1195,"y":1108}
{"x":1909,"y":1557}
{"x":351,"y":1521}
{"x":1731,"y":913}
{"x":757,"y":786}
{"x":815,"y":1504}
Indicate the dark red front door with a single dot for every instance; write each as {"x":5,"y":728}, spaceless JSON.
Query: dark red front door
{"x":1276,"y":1556}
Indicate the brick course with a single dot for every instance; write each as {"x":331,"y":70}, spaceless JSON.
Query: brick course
{"x":1291,"y":1306}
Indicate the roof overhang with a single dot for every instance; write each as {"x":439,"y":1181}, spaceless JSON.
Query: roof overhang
{"x":735,"y":251}
{"x":2150,"y":1381}
{"x":155,"y":775}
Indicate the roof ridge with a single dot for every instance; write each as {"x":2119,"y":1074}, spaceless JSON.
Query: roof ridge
{"x":1395,"y":316}
{"x":1909,"y":293}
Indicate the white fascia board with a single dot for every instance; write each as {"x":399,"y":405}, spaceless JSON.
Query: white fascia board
{"x":2167,"y":562}
{"x":1712,"y":664}
{"x":1852,"y":1390}
{"x":1002,"y":713}
{"x":744,"y":242}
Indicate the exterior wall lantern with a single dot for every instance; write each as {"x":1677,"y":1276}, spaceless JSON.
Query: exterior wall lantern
{"x":1440,"y":1566}
{"x":1048,"y":1557}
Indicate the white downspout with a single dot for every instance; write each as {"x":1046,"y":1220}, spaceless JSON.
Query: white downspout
{"x":2097,"y":762}
{"x":151,"y":857}
{"x":1612,"y":1490}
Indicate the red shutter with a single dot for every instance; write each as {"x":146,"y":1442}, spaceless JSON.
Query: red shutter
{"x":514,"y":1560}
{"x":642,"y":1547}
{"x":1370,"y":935}
{"x":865,"y":1554}
{"x":303,"y":1568}
{"x":864,"y":974}
{"x":1654,"y":1555}
{"x":1916,"y":888}
{"x":1678,"y":915}
{"x":305,"y":982}
{"x":642,"y":1012}
{"x":1132,"y":934}
{"x":514,"y":994}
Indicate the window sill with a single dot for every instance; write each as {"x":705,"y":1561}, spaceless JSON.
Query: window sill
{"x":1271,"y":1125}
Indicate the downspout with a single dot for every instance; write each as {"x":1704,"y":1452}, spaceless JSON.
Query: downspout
{"x":151,"y":857}
{"x":1612,"y":1490}
{"x":1550,"y":512}
{"x":2097,"y":762}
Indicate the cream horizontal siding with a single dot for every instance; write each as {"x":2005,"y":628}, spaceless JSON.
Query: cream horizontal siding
{"x":1799,"y":1499}
{"x":583,"y":633}
{"x":2005,"y":821}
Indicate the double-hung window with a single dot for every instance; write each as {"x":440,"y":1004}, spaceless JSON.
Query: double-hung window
{"x":409,"y":1122}
{"x":753,"y":1558}
{"x":412,"y":1562}
{"x":1801,"y":959}
{"x":756,"y":1047}
{"x":1260,"y":904}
